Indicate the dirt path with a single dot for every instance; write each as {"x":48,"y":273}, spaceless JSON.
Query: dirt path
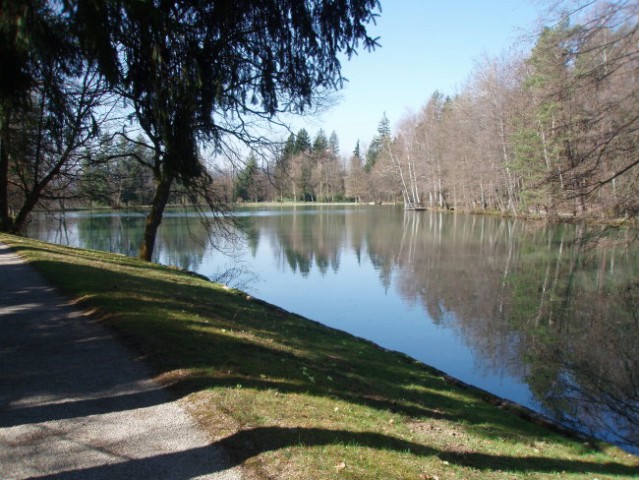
{"x":75,"y":404}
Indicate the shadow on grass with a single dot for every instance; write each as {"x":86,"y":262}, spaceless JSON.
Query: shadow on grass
{"x":291,"y":349}
{"x":250,"y":443}
{"x":261,"y":341}
{"x":228,"y":339}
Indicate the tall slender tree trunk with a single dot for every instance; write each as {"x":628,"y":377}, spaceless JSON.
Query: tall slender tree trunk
{"x":154,"y":218}
{"x":5,"y":219}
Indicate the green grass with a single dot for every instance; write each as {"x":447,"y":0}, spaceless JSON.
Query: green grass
{"x":292,"y":399}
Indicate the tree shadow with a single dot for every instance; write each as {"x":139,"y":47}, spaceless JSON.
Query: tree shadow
{"x":184,"y":465}
{"x":364,"y":375}
{"x":248,"y":362}
{"x":249,"y":443}
{"x":55,"y":363}
{"x":80,"y":408}
{"x":270,"y":356}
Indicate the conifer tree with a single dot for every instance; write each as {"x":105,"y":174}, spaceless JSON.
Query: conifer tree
{"x":191,"y":71}
{"x":320,"y":144}
{"x":302,"y":141}
{"x":333,"y":144}
{"x":379,"y":142}
{"x":245,"y":187}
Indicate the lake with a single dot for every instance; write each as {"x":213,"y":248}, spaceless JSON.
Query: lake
{"x":541,"y":315}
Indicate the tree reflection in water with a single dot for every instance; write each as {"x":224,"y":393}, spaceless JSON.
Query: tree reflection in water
{"x":534,"y":301}
{"x":528,"y":299}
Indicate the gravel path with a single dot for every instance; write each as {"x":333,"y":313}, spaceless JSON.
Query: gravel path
{"x":75,"y":404}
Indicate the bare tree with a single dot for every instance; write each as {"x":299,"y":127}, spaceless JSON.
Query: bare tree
{"x":48,"y":142}
{"x":403,"y":153}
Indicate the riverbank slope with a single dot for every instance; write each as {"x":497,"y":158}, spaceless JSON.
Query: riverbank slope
{"x":293,"y":399}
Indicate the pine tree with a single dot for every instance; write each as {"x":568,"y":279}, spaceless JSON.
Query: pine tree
{"x":191,"y":70}
{"x":357,"y":152}
{"x":289,"y":148}
{"x":380,"y":141}
{"x":302,"y":141}
{"x":245,"y":184}
{"x":541,"y":144}
{"x":333,"y":144}
{"x":320,"y":144}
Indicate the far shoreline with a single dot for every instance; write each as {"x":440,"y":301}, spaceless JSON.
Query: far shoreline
{"x":560,"y":218}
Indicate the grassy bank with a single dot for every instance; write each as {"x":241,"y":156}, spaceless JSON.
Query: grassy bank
{"x":292,"y":399}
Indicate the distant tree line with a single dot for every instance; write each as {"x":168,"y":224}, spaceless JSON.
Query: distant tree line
{"x":306,"y":169}
{"x":122,"y":103}
{"x":551,"y":133}
{"x":555,"y":132}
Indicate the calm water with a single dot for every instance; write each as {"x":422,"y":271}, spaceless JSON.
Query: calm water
{"x":519,"y":309}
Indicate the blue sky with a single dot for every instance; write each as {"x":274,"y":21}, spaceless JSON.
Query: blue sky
{"x":427,"y":45}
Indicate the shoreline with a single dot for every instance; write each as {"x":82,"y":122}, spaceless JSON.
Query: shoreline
{"x":568,"y":218}
{"x":516,"y":408}
{"x":252,"y":370}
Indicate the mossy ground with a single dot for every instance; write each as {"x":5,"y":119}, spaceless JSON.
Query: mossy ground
{"x":292,"y":399}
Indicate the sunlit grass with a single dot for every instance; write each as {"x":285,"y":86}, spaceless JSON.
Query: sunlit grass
{"x":293,"y":399}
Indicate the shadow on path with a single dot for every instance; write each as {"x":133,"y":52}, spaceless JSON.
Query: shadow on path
{"x":75,"y":403}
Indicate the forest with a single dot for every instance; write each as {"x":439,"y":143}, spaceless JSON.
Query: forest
{"x":549,"y":133}
{"x":552,"y":134}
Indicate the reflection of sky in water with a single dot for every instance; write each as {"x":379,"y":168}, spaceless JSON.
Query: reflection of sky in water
{"x":355,"y":300}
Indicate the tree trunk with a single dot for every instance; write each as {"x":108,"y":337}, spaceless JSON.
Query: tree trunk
{"x":154,"y":218}
{"x":30,"y":201}
{"x":5,"y":219}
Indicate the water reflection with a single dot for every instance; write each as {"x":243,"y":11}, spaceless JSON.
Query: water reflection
{"x":530,"y":313}
{"x":303,"y":240}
